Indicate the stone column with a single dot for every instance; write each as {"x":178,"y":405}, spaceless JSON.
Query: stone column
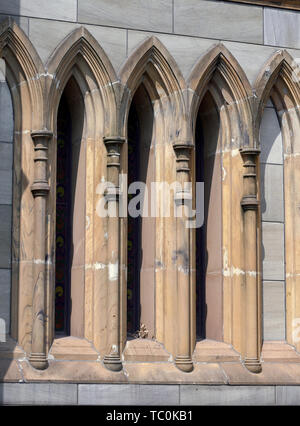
{"x":183,"y":358}
{"x":250,"y":207}
{"x":113,"y":145}
{"x":40,"y":190}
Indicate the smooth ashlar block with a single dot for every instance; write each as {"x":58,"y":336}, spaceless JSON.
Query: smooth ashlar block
{"x":273,"y":251}
{"x":38,"y":393}
{"x":56,"y":9}
{"x":155,"y":15}
{"x":5,"y":236}
{"x":282,"y":28}
{"x":6,"y":111}
{"x":219,"y":20}
{"x":5,"y":284}
{"x":21,"y":21}
{"x":6,"y":155}
{"x":273,"y":310}
{"x":288,"y":395}
{"x":226,"y":395}
{"x":185,"y":50}
{"x":128,"y":394}
{"x":272,"y":204}
{"x":271,"y":138}
{"x":5,"y":186}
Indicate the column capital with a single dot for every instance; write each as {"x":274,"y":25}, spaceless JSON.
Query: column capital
{"x":113,"y":140}
{"x":41,"y":134}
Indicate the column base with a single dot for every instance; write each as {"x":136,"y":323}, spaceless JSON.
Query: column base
{"x":184,"y":363}
{"x":38,"y":361}
{"x":253,"y":365}
{"x":113,"y":362}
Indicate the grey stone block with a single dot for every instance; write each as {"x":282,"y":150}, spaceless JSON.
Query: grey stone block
{"x":226,"y":395}
{"x":38,"y":394}
{"x":5,"y":186}
{"x":273,"y":310}
{"x":128,"y":394}
{"x":55,"y":9}
{"x":251,"y":57}
{"x":112,"y":41}
{"x":185,"y":50}
{"x":45,"y":35}
{"x":5,"y":236}
{"x":272,"y":204}
{"x":287,"y":395}
{"x":271,"y":138}
{"x":155,"y":15}
{"x":273,"y":251}
{"x":5,"y":285}
{"x":218,"y":20}
{"x":282,"y":27}
{"x":22,"y":22}
{"x":6,"y":156}
{"x":6,"y":115}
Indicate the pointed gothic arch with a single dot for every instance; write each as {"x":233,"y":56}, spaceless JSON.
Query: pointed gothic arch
{"x":279,"y":81}
{"x":79,"y":59}
{"x":24,"y":75}
{"x":219,"y":74}
{"x":152,"y":67}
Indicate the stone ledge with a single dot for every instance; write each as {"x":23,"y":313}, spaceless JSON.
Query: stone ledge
{"x":73,"y":348}
{"x":213,"y":351}
{"x":225,"y":373}
{"x":146,"y":395}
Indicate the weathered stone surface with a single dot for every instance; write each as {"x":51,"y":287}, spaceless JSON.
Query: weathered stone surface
{"x":281,"y":351}
{"x":281,"y":27}
{"x":274,"y":310}
{"x":213,"y":351}
{"x":151,"y":16}
{"x":72,"y":372}
{"x":66,"y":11}
{"x":218,"y":20}
{"x":145,"y":350}
{"x":38,"y":394}
{"x":273,"y":251}
{"x":128,"y":394}
{"x":168,"y":373}
{"x":226,"y":395}
{"x":5,"y":236}
{"x":272,"y":373}
{"x":73,"y":348}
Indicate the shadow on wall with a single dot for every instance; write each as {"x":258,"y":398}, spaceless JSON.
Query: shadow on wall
{"x":271,"y":154}
{"x":7,"y":344}
{"x":12,"y":8}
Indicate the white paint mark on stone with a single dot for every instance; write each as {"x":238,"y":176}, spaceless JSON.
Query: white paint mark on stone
{"x":223,"y":173}
{"x":88,"y":222}
{"x":113,"y":271}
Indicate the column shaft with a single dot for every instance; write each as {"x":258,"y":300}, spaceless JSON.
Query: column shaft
{"x":40,"y":190}
{"x":250,"y":206}
{"x":183,"y":358}
{"x":113,"y":359}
